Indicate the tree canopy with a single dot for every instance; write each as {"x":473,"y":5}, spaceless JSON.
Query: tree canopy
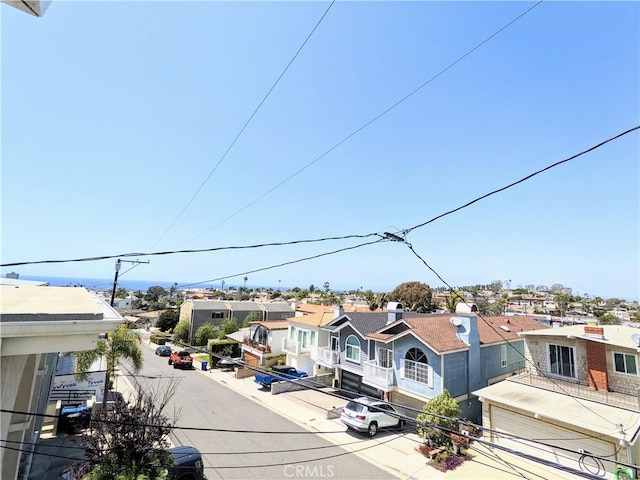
{"x":414,"y":297}
{"x":168,"y":320}
{"x":204,"y":333}
{"x":154,"y":293}
{"x":181,"y":331}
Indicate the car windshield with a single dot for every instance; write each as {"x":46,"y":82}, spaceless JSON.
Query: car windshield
{"x":355,"y":407}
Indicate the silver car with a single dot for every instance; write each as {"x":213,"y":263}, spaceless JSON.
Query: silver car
{"x":368,"y":416}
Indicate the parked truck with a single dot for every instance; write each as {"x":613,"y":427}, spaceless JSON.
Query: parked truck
{"x":278,"y":373}
{"x":181,"y":359}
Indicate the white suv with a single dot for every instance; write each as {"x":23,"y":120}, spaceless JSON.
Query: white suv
{"x":366,"y":415}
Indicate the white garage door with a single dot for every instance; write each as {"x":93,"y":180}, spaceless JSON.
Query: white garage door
{"x":537,"y":429}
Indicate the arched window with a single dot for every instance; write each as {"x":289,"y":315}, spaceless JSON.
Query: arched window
{"x":353,"y":349}
{"x":416,"y":366}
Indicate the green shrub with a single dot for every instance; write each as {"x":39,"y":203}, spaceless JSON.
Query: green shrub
{"x":181,"y":332}
{"x":224,"y":348}
{"x":158,"y":339}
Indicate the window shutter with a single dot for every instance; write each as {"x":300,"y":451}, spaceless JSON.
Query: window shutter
{"x":401,"y":369}
{"x":430,"y":376}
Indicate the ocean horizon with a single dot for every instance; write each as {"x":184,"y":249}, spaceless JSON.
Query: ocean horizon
{"x":107,"y":283}
{"x":132,"y":285}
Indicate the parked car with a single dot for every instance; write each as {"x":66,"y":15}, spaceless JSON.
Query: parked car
{"x":181,"y":359}
{"x":368,"y":416}
{"x":74,"y":418}
{"x":278,"y":374}
{"x":187,"y":464}
{"x":163,"y":351}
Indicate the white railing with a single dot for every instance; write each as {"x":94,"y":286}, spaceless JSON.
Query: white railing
{"x":375,"y":375}
{"x":291,"y":346}
{"x":328,"y":357}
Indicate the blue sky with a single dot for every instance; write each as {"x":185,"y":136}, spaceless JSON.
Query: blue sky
{"x":113,"y":114}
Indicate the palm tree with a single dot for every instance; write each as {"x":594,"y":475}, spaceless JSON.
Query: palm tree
{"x":452,"y":300}
{"x":123,"y":343}
{"x":245,"y":283}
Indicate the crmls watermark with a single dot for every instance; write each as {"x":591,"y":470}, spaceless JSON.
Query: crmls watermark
{"x":308,"y":471}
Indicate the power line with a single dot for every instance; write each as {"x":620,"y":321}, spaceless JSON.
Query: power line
{"x":398,"y":236}
{"x":245,"y":124}
{"x":523,"y":179}
{"x":374,"y":119}
{"x":285,"y":263}
{"x":199,"y":250}
{"x":410,"y":247}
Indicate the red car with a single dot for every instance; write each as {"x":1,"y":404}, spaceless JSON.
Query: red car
{"x":181,"y":359}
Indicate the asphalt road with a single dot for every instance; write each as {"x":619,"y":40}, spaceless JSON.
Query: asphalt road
{"x":229,"y":440}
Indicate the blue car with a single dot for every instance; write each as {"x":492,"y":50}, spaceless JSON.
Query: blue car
{"x":163,"y":351}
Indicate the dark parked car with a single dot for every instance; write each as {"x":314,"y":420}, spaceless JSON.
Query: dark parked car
{"x":188,"y":464}
{"x":163,"y":351}
{"x":74,"y":418}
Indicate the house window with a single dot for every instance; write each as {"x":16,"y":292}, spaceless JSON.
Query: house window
{"x":217,"y":314}
{"x":503,"y":356}
{"x":262,"y":336}
{"x":385,"y":357}
{"x":292,"y":333}
{"x":334,"y":344}
{"x":562,"y":361}
{"x":625,"y":363}
{"x":416,"y":367}
{"x":313,"y":338}
{"x":353,"y":349}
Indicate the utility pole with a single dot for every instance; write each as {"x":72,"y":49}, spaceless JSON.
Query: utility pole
{"x":115,"y":279}
{"x":107,"y":380}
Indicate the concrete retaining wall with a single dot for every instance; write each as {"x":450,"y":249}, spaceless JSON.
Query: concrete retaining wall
{"x":245,"y":372}
{"x":302,"y":384}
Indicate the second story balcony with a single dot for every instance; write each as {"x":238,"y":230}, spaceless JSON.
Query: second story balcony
{"x":293,"y":347}
{"x":327,"y":357}
{"x":377,"y":376}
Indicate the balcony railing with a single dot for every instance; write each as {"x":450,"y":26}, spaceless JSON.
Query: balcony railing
{"x":328,"y":357}
{"x":377,"y":376}
{"x":623,"y":398}
{"x":293,"y":347}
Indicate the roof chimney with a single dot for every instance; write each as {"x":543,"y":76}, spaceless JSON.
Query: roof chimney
{"x":394,"y":312}
{"x":338,"y":311}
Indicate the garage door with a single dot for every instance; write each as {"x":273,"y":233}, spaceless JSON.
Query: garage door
{"x":537,"y":429}
{"x":412,"y":403}
{"x":251,"y":359}
{"x":353,"y":383}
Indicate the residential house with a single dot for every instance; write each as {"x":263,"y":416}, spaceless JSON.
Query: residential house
{"x":417,"y":358}
{"x":348,"y":349}
{"x":409,"y":358}
{"x":265,"y":338}
{"x":579,"y":392}
{"x":304,"y":335}
{"x":36,"y":324}
{"x":199,"y":312}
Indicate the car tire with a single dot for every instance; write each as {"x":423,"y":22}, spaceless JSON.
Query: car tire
{"x":373,"y":429}
{"x":170,"y":362}
{"x":401,"y":424}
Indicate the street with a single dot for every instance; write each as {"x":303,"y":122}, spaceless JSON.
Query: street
{"x":224,"y":421}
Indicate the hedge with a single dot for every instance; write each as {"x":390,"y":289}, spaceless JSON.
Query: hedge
{"x":158,"y":339}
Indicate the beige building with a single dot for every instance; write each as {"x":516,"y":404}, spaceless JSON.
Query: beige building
{"x":36,"y":323}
